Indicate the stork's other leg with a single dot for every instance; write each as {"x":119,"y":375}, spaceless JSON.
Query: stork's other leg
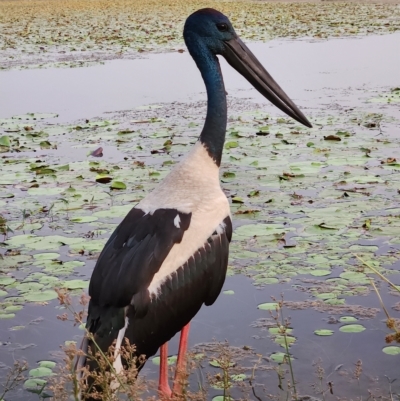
{"x":180,"y":372}
{"x":163,"y":386}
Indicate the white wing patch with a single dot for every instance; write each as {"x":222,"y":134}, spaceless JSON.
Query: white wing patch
{"x":202,"y":226}
{"x":177,"y":221}
{"x":221,"y":228}
{"x":117,"y":365}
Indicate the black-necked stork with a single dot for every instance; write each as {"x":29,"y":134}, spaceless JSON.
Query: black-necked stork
{"x":169,"y":255}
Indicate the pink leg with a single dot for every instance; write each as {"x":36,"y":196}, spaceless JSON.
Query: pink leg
{"x":163,"y":386}
{"x":180,"y":372}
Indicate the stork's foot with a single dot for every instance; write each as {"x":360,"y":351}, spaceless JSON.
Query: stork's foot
{"x":164,"y":392}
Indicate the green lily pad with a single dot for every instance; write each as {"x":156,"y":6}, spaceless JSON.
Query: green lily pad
{"x":35,"y":116}
{"x":354,"y":277}
{"x":7,"y":315}
{"x":171,"y":360}
{"x":239,"y":377}
{"x":118,"y":185}
{"x":320,"y":272}
{"x":268,"y":306}
{"x":352,"y":328}
{"x":34,"y":384}
{"x":84,"y":219}
{"x":277,"y":330}
{"x":46,"y":256}
{"x":75,"y":284}
{"x":13,"y":308}
{"x":348,"y":319}
{"x":216,"y":363}
{"x":391,"y":350}
{"x":280,"y":357}
{"x":47,"y":364}
{"x":41,"y":296}
{"x":7,"y":280}
{"x":5,"y":141}
{"x":41,"y":371}
{"x":29,"y":286}
{"x":283,"y":340}
{"x":323,"y":332}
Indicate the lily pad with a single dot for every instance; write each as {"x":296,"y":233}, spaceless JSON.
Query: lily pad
{"x":41,"y":296}
{"x":280,"y":357}
{"x":75,"y":284}
{"x":35,"y":116}
{"x":268,"y":306}
{"x":118,"y":185}
{"x":7,"y":315}
{"x":41,"y":371}
{"x":391,"y":350}
{"x":348,"y":319}
{"x":352,"y":328}
{"x":34,"y":384}
{"x":323,"y":332}
{"x":47,"y":364}
{"x":320,"y":272}
{"x":7,"y":280}
{"x":171,"y":360}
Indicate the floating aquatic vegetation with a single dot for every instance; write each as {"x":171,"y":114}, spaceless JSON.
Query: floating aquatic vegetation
{"x":76,"y":33}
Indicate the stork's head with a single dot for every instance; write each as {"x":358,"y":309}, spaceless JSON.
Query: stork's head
{"x":209,"y":29}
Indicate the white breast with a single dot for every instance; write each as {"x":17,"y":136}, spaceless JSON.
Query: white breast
{"x":193,"y":182}
{"x":192,"y":187}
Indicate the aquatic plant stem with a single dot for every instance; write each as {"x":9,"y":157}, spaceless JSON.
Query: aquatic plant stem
{"x":378,"y":273}
{"x":288,"y":353}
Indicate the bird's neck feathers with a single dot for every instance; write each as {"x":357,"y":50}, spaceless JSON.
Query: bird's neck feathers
{"x":213,"y":134}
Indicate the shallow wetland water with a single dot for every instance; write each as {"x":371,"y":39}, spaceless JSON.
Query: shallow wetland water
{"x":304,"y":201}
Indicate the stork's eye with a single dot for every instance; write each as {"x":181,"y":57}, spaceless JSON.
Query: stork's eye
{"x":222,"y":27}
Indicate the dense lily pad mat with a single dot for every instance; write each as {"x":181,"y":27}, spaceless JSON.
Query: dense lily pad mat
{"x":76,"y":32}
{"x":303,"y":204}
{"x":304,"y":201}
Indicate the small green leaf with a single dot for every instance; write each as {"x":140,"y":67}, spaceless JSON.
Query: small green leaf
{"x":40,"y":372}
{"x":5,"y":141}
{"x":171,"y":360}
{"x":47,"y":364}
{"x":118,"y":185}
{"x":280,"y":357}
{"x":348,"y":319}
{"x":268,"y":306}
{"x":34,"y":384}
{"x":323,"y":332}
{"x":352,"y":328}
{"x":41,"y":296}
{"x":231,"y":144}
{"x":391,"y":350}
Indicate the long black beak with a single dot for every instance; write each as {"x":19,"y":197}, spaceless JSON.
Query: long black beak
{"x":239,"y":56}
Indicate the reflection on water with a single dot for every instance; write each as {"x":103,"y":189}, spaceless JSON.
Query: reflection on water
{"x":302,"y":68}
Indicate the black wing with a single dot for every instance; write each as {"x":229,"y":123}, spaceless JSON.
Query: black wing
{"x":180,"y":297}
{"x":128,"y":262}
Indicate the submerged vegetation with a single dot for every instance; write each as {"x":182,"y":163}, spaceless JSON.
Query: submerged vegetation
{"x":316,"y":211}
